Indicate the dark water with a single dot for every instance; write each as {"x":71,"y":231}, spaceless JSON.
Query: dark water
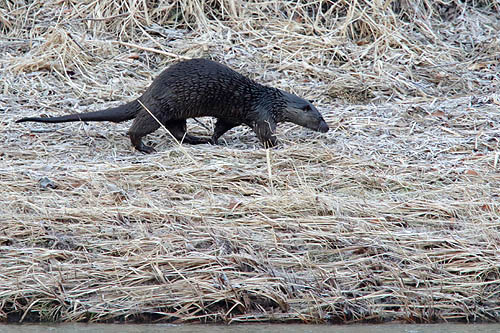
{"x":264,"y":328}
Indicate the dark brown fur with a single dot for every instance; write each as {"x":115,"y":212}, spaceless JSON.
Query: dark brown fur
{"x":200,"y":87}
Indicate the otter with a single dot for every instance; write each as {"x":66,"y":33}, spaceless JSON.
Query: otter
{"x":201,"y":87}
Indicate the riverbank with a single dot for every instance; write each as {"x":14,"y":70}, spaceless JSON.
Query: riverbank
{"x":392,"y":215}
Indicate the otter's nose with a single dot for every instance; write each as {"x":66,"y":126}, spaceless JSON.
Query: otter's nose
{"x":323,"y":127}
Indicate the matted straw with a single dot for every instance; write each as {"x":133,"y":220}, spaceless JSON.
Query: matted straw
{"x":392,"y":215}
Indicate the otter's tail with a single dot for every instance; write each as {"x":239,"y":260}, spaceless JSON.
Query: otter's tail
{"x":117,"y":114}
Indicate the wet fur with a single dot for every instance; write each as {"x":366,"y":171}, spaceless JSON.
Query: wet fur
{"x":201,"y":87}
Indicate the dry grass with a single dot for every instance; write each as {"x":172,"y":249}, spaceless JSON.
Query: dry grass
{"x":392,"y":215}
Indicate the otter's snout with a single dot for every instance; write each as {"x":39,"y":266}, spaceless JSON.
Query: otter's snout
{"x":323,"y":127}
{"x":303,"y":113}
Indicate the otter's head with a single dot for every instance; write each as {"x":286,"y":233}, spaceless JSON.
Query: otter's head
{"x":301,"y":112}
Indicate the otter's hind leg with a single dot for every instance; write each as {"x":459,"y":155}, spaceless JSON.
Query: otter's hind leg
{"x":143,"y":125}
{"x":178,"y":130}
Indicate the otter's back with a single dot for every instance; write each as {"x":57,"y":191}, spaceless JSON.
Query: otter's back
{"x":199,"y":87}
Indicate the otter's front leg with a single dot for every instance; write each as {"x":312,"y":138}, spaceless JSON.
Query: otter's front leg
{"x":221,"y":127}
{"x":265,"y":129}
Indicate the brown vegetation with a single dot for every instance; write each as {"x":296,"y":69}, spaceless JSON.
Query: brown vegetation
{"x":392,"y":215}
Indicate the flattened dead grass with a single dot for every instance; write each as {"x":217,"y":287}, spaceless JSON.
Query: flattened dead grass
{"x":392,"y":215}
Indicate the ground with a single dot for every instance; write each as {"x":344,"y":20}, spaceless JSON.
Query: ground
{"x":391,"y":215}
